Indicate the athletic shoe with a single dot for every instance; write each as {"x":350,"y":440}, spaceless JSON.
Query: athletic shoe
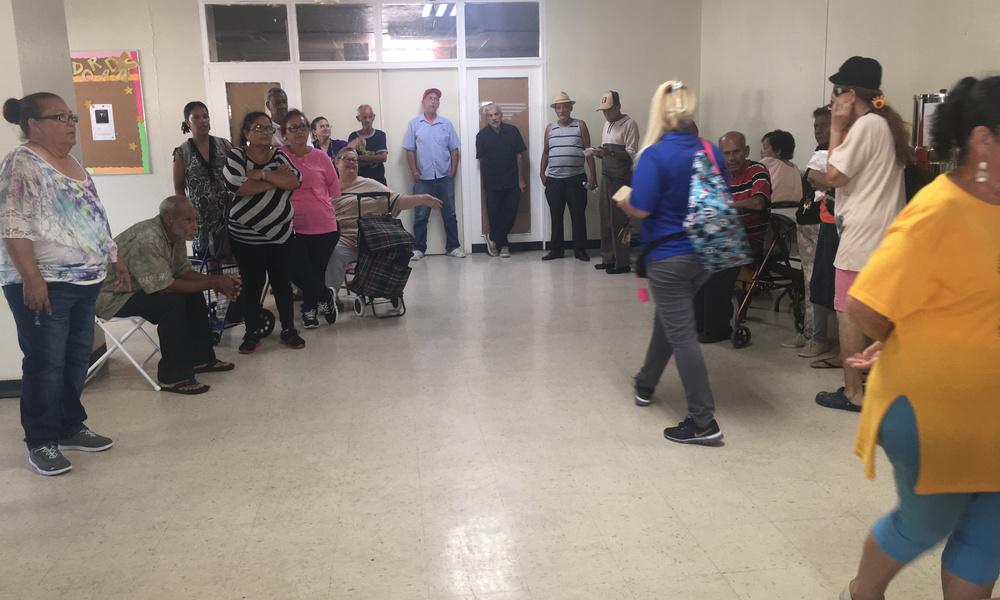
{"x":491,"y":246}
{"x":291,"y":338}
{"x":417,"y":255}
{"x":687,"y":432}
{"x":328,"y":309}
{"x":458,"y":253}
{"x":86,"y":440}
{"x":309,"y":319}
{"x":798,"y":341}
{"x":250,"y":344}
{"x":46,"y":459}
{"x":643,"y":395}
{"x":505,"y":252}
{"x":814,"y":349}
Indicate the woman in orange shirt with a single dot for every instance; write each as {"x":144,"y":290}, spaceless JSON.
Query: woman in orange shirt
{"x":930,"y":295}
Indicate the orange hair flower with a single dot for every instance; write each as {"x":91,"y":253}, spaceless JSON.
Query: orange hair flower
{"x":878,"y":102}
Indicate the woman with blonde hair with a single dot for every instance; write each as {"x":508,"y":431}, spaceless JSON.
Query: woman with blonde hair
{"x":661,"y":186}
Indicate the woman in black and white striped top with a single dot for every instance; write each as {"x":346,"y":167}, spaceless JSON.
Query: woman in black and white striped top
{"x":260,"y":226}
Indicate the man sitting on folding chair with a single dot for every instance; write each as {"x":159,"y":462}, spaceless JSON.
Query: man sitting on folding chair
{"x":167,"y":291}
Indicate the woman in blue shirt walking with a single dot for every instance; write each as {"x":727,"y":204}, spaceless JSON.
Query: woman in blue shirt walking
{"x":660,"y":188}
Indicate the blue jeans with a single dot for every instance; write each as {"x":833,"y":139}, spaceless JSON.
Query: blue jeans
{"x":971,"y":522}
{"x":57,"y":351}
{"x":443,"y":189}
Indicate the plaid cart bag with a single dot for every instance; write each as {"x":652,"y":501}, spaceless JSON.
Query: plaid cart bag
{"x":383,"y":268}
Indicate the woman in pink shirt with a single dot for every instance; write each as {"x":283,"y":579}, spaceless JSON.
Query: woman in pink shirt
{"x":314,"y":219}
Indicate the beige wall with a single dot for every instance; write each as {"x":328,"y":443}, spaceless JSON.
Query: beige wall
{"x":168,"y":38}
{"x":756,"y":78}
{"x":630,"y":46}
{"x":34,"y":57}
{"x":395,"y":96}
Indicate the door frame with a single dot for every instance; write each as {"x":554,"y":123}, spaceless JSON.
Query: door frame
{"x":472,"y":214}
{"x":217,"y":75}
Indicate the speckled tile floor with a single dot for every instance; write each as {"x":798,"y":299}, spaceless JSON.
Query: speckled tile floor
{"x":484,"y":446}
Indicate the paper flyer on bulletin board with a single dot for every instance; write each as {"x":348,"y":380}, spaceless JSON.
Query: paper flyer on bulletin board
{"x":112,"y":129}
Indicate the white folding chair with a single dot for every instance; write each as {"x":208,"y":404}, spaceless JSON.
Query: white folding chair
{"x":115,"y":344}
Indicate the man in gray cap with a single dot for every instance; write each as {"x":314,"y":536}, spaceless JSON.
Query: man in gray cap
{"x":619,"y":145}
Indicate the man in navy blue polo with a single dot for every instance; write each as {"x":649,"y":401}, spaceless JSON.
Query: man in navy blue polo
{"x":431,"y":145}
{"x":500,"y":150}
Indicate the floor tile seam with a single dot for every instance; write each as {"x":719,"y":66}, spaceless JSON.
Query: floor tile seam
{"x":794,"y":563}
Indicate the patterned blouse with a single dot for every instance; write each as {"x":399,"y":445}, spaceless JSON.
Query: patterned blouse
{"x":206,"y":187}
{"x":62,"y":216}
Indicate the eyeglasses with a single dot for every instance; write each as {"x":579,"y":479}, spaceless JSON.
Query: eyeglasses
{"x":840,"y":89}
{"x":61,"y":117}
{"x":348,"y":160}
{"x":262,"y":129}
{"x":294,"y":128}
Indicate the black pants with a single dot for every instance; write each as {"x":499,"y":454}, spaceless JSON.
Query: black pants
{"x":182,"y":323}
{"x":821,"y":288}
{"x":310,"y":255}
{"x":259,"y":264}
{"x":501,"y":208}
{"x":713,"y":305}
{"x":559,"y":193}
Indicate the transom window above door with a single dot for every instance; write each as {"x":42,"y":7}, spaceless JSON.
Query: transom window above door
{"x":345,"y":32}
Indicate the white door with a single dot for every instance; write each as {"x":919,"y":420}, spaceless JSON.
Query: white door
{"x":518,"y":92}
{"x":236,"y":89}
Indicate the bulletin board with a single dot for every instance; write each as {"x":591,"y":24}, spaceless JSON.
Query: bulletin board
{"x":112,"y":128}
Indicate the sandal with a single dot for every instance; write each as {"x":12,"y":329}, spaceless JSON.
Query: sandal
{"x":827,"y":363}
{"x":837,"y":400}
{"x":189,"y":387}
{"x":217,"y":367}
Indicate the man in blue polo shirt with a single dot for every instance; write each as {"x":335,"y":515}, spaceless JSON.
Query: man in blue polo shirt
{"x":431,"y":145}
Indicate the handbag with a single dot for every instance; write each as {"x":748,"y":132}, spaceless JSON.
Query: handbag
{"x":713,"y":224}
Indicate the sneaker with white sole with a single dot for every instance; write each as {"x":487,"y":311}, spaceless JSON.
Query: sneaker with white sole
{"x":814,"y":349}
{"x":86,"y":440}
{"x":643,"y":395}
{"x":505,"y":252}
{"x":310,"y":320}
{"x":687,"y":432}
{"x":46,"y":459}
{"x":491,"y":246}
{"x":417,"y":255}
{"x":457,"y":253}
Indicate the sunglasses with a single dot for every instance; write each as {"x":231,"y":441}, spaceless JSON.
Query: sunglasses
{"x":840,"y":90}
{"x":61,"y":117}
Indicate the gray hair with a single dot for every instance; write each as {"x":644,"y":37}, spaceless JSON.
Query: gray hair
{"x":273,"y":92}
{"x":489,"y":106}
{"x":364,"y":106}
{"x":172,"y":204}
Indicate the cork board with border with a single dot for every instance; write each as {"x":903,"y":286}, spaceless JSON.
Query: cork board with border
{"x":115,"y":141}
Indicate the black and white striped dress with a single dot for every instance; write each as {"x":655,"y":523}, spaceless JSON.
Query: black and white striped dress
{"x":264,"y":218}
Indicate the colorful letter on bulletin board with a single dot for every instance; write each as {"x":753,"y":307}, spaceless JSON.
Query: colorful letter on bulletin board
{"x":112,"y":130}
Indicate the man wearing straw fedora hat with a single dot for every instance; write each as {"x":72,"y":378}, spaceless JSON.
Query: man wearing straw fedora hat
{"x":564,"y":172}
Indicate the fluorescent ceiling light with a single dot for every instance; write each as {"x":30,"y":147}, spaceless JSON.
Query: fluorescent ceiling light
{"x":427,"y":9}
{"x":442,"y":8}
